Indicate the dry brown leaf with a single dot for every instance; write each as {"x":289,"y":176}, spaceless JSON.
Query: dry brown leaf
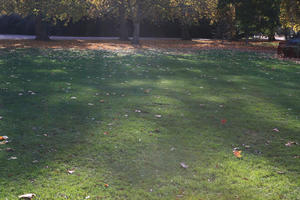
{"x":183,"y":165}
{"x":27,"y":196}
{"x":290,"y":143}
{"x":3,"y":137}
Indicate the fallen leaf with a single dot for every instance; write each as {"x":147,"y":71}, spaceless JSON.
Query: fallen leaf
{"x":101,"y":101}
{"x":237,"y":153}
{"x":27,"y":196}
{"x":106,"y":185}
{"x":3,"y":137}
{"x":147,"y":91}
{"x":4,"y":142}
{"x":158,"y":116}
{"x":71,"y":171}
{"x":296,"y":156}
{"x":73,"y":97}
{"x":105,"y":133}
{"x":137,"y":111}
{"x":223,"y":121}
{"x":276,"y":129}
{"x":35,"y":161}
{"x":280,"y":172}
{"x":9,"y":150}
{"x":13,"y":158}
{"x":183,"y":165}
{"x":290,"y":143}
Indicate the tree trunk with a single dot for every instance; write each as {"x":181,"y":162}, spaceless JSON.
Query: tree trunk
{"x":185,"y":33}
{"x":286,"y":33}
{"x":286,"y":37}
{"x":123,"y":22}
{"x":246,"y":38}
{"x":136,"y":33}
{"x":271,"y":37}
{"x":136,"y":24}
{"x":41,"y":29}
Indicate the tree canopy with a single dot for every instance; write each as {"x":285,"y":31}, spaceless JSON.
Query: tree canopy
{"x":232,"y":18}
{"x":45,"y":11}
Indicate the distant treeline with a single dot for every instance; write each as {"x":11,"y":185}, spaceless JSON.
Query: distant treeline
{"x":14,"y":24}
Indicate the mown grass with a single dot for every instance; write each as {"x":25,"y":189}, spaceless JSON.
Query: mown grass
{"x":103,"y":137}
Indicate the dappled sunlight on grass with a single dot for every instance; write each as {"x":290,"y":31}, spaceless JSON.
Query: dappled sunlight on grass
{"x":129,"y":120}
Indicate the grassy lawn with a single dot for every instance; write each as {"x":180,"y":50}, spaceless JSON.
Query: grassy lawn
{"x":128,"y":119}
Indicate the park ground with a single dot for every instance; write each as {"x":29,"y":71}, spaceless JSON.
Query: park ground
{"x":108,"y":120}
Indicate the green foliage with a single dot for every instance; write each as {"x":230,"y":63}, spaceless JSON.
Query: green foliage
{"x":257,"y":16}
{"x":50,"y":10}
{"x":249,"y":17}
{"x":234,"y":17}
{"x":290,"y":14}
{"x":226,"y":20}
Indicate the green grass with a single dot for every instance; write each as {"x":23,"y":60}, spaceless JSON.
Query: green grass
{"x":141,"y":154}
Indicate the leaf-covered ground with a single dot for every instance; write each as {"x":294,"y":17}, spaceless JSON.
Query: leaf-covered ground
{"x":270,"y":47}
{"x":145,"y":124}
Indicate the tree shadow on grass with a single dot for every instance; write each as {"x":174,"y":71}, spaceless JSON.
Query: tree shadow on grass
{"x":141,"y":151}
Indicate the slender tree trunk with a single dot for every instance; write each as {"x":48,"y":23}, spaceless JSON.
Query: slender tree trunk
{"x":286,"y":37}
{"x":271,"y":37}
{"x":123,"y":22}
{"x":40,"y":29}
{"x":247,"y":38}
{"x":185,"y":32}
{"x":136,"y":33}
{"x":137,"y":25}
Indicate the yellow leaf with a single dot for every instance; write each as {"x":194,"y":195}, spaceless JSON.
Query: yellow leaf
{"x":237,"y":153}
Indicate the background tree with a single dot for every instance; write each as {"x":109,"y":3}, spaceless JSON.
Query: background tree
{"x":268,"y":12}
{"x":254,"y":16}
{"x":112,"y":8}
{"x":226,"y":20}
{"x":189,"y":12}
{"x":138,"y":10}
{"x":45,"y":11}
{"x":290,"y":14}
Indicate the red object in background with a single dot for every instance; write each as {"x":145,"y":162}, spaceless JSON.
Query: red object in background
{"x":223,"y":121}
